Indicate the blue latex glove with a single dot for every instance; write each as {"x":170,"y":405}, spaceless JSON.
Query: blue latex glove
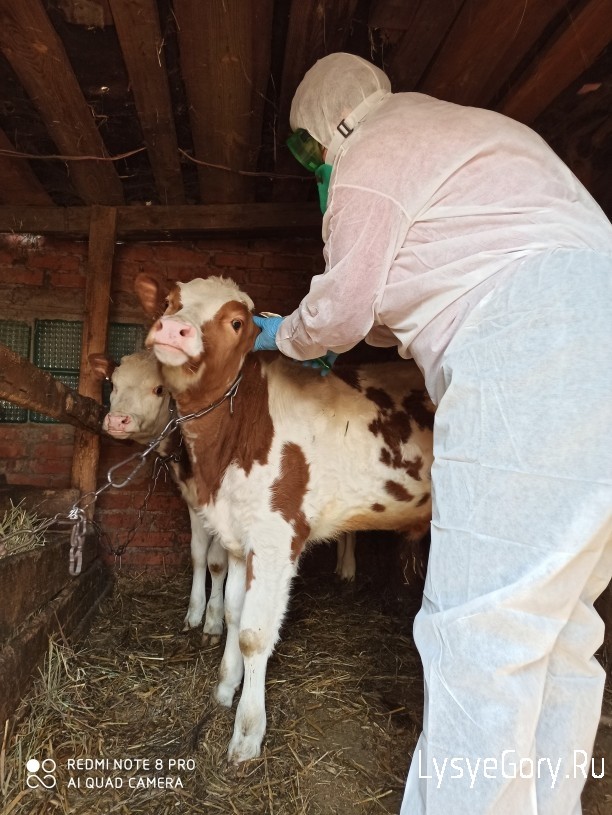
{"x":324,"y":363}
{"x":266,"y":339}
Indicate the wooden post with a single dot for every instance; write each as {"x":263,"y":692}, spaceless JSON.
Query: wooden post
{"x":95,"y":326}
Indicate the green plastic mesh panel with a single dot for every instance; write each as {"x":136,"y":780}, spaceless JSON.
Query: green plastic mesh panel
{"x":70,"y":378}
{"x":57,"y":345}
{"x":124,"y":339}
{"x":15,"y":336}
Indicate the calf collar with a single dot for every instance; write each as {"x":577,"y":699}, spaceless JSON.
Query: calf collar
{"x":229,"y":394}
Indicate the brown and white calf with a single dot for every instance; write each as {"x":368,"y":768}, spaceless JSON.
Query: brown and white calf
{"x":140,"y":410}
{"x":292,"y":457}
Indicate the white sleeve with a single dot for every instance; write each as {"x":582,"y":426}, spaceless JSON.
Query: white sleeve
{"x":366,"y":230}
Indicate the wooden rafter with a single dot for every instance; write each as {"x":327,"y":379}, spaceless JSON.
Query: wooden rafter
{"x":556,"y":67}
{"x":314,"y":31}
{"x":417,"y":47}
{"x":225,"y":52}
{"x":37,"y":55}
{"x":484,"y":46}
{"x":137,"y":25}
{"x":17,"y":180}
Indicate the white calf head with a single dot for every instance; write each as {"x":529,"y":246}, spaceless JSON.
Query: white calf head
{"x":139,"y":404}
{"x":205,"y":324}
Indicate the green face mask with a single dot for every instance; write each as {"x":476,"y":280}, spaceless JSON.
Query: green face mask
{"x":305,"y":149}
{"x":323,"y":174}
{"x":309,"y":153}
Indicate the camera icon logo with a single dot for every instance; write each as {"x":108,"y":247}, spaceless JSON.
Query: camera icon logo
{"x":47,"y":766}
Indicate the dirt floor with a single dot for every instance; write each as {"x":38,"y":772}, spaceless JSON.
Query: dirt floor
{"x":344,"y":699}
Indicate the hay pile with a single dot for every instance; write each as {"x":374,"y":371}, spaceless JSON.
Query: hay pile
{"x":343,"y":701}
{"x":21,"y":530}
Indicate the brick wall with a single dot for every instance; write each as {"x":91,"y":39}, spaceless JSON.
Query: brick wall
{"x":46,"y":280}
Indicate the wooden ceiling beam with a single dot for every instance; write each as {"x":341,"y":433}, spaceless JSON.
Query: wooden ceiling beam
{"x":483,"y":46}
{"x":411,"y":56}
{"x":570,"y":54}
{"x":138,"y":30}
{"x":396,"y":15}
{"x":225,"y":53}
{"x":315,"y":29}
{"x":37,"y":55}
{"x":197,"y":220}
{"x":18,"y":184}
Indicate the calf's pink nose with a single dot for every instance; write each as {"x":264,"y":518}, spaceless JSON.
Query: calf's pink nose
{"x":172,"y":332}
{"x":117,"y":422}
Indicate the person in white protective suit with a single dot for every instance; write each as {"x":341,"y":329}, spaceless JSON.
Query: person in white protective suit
{"x":457,"y":235}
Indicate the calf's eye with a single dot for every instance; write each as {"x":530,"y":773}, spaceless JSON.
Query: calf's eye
{"x":236,"y":325}
{"x":158,"y":391}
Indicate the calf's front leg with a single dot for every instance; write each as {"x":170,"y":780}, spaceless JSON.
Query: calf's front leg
{"x":200,"y":540}
{"x":232,"y":664}
{"x":217,"y":566}
{"x":269,"y":572}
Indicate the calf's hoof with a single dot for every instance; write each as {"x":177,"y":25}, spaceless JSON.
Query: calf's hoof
{"x":224,"y":694}
{"x":242,"y":748}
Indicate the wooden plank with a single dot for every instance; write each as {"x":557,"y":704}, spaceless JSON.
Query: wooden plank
{"x":411,"y":56}
{"x":18,"y":182}
{"x":31,"y":579}
{"x":236,"y":219}
{"x":223,"y":44}
{"x":37,"y":55}
{"x":484,"y":46}
{"x":132,"y":222}
{"x":101,"y":252}
{"x":70,"y":614}
{"x":29,"y":387}
{"x":137,"y":25}
{"x":396,"y":15}
{"x":314,"y":31}
{"x":573,"y":51}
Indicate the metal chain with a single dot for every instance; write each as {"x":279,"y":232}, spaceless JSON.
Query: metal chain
{"x":77,"y":512}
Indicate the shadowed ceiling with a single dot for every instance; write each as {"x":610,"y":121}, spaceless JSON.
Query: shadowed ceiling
{"x":184,"y":102}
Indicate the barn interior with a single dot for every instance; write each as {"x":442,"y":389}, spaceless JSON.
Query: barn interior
{"x":149,"y":136}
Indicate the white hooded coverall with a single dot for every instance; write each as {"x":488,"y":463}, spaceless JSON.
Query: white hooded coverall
{"x":456,"y":234}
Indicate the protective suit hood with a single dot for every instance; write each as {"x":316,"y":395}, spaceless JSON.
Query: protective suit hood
{"x":340,"y":89}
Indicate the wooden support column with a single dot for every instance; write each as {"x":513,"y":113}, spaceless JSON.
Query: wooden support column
{"x":95,"y":326}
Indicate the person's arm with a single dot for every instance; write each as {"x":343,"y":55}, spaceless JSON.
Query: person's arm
{"x":366,"y":231}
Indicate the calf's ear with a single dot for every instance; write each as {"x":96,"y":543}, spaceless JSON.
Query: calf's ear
{"x":150,"y":294}
{"x":102,"y":366}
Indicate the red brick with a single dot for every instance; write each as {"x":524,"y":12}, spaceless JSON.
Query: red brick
{"x":135,"y":252}
{"x":178,"y":253}
{"x":69,"y":281}
{"x":184,"y":274}
{"x":288,"y":262}
{"x":67,"y":263}
{"x":226,"y":259}
{"x":50,"y":466}
{"x":123,"y":279}
{"x":120,"y":499}
{"x":22,"y":277}
{"x":66,"y":247}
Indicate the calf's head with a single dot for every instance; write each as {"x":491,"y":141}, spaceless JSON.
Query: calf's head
{"x":205,"y":327}
{"x":139,"y":404}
